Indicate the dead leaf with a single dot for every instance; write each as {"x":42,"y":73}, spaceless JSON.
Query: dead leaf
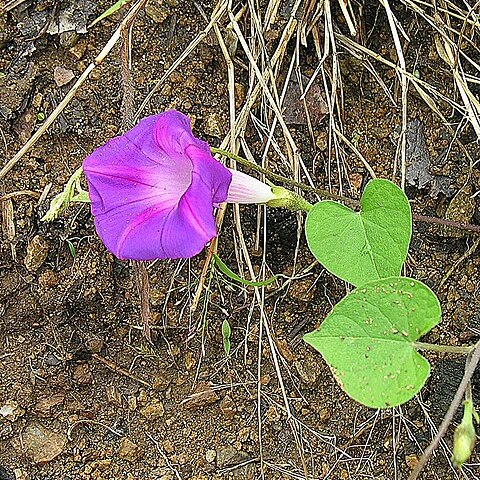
{"x":294,"y":107}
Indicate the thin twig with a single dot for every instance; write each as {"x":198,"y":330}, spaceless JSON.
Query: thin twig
{"x":115,"y":368}
{"x":8,"y":196}
{"x":470,"y":367}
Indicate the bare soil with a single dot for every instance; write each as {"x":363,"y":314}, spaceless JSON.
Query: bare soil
{"x":83,"y":395}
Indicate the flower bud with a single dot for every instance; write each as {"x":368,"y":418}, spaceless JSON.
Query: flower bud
{"x":464,"y":437}
{"x":286,"y":199}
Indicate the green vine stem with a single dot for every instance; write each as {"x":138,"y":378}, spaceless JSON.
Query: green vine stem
{"x":444,"y":348}
{"x":348,"y":201}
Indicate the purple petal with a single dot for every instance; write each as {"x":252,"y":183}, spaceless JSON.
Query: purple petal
{"x":154,"y":188}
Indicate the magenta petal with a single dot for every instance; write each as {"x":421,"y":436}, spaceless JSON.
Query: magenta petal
{"x":154,"y":188}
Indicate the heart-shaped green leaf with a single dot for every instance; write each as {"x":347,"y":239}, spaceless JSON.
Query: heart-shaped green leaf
{"x":364,"y":246}
{"x":368,"y":339}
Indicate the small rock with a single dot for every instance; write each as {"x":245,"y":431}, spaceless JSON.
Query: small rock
{"x":142,"y":397}
{"x":229,"y":456}
{"x":412,"y":461}
{"x":161,"y":381}
{"x":325,"y":414}
{"x":167,"y":476}
{"x":11,"y":410}
{"x":210,"y":455}
{"x":302,"y":290}
{"x":189,"y":360}
{"x":48,"y":279}
{"x":307,"y":371}
{"x":153,"y":410}
{"x":68,"y":39}
{"x":168,"y":446}
{"x":6,"y":431}
{"x":272,"y":414}
{"x":226,"y":456}
{"x":20,"y":474}
{"x":284,"y":347}
{"x":117,"y":430}
{"x":157,"y":11}
{"x":240,"y":93}
{"x":203,"y":395}
{"x":129,"y":451}
{"x":461,"y":209}
{"x":44,"y":405}
{"x":228,"y":407}
{"x":215,"y":125}
{"x":114,"y":396}
{"x":132,"y":403}
{"x":78,"y":50}
{"x":51,"y":360}
{"x":94,"y":344}
{"x":321,"y":141}
{"x":62,"y":76}
{"x":37,"y":252}
{"x":82,"y":374}
{"x":42,"y":445}
{"x":294,"y":106}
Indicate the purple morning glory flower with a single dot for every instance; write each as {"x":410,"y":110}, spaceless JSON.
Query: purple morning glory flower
{"x":153,"y":190}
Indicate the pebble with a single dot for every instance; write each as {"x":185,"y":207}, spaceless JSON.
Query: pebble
{"x":78,"y":50}
{"x":228,"y":407}
{"x":168,"y":446}
{"x":226,"y":456}
{"x":240,"y":93}
{"x":215,"y":125}
{"x":153,"y":410}
{"x":461,"y":209}
{"x":51,"y":360}
{"x":62,"y":76}
{"x":45,"y":405}
{"x":11,"y":410}
{"x":229,"y":456}
{"x":37,"y":252}
{"x":48,"y":279}
{"x":129,"y":451}
{"x":157,"y":11}
{"x":20,"y":474}
{"x":82,"y":374}
{"x":202,"y":395}
{"x":210,"y":455}
{"x":412,"y":461}
{"x":94,"y":344}
{"x":307,"y":371}
{"x":114,"y":396}
{"x":69,"y":39}
{"x":42,"y":445}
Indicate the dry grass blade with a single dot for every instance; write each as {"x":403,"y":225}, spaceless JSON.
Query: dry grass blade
{"x":8,"y":224}
{"x":404,"y":84}
{"x":10,"y":5}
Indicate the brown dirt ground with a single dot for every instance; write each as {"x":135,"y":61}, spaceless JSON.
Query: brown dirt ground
{"x":73,"y":312}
